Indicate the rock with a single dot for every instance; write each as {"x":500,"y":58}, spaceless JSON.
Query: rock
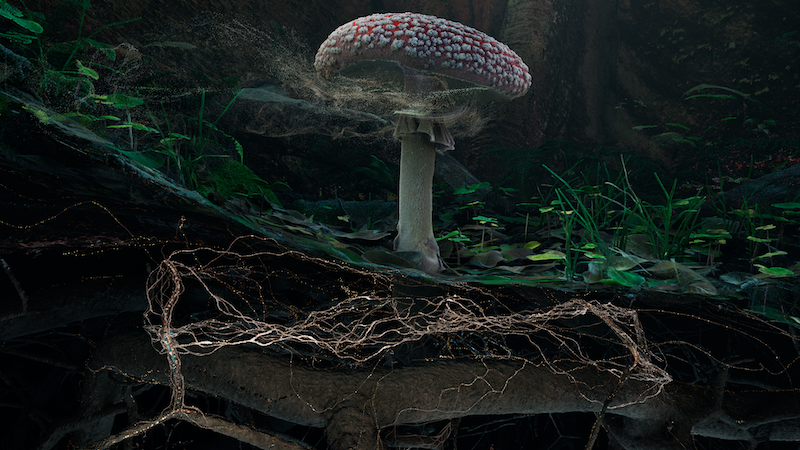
{"x":779,"y":187}
{"x":14,"y":68}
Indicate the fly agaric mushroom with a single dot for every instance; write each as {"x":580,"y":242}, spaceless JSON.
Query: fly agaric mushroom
{"x":441,"y":62}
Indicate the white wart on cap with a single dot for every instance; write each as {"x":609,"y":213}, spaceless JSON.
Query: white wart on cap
{"x":429,"y":44}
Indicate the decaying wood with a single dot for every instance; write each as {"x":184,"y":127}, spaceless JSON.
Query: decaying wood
{"x":354,"y":405}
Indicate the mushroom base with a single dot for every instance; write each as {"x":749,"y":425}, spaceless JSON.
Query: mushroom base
{"x":415,"y":226}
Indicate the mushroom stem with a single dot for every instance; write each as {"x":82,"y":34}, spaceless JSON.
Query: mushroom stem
{"x":415,"y":225}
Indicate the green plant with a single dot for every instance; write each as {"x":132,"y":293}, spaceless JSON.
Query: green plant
{"x":761,"y":235}
{"x":708,"y":242}
{"x":187,"y":153}
{"x":704,"y":90}
{"x":625,"y":278}
{"x":457,"y":238}
{"x":59,"y":66}
{"x":486,"y":222}
{"x":575,"y":213}
{"x":588,"y":211}
{"x":678,"y":218}
{"x":126,"y":103}
{"x":379,"y":171}
{"x":522,"y":165}
{"x":15,"y":16}
{"x":593,"y":208}
{"x":789,"y":216}
{"x":572,"y":209}
{"x":369,"y":213}
{"x":668,"y":225}
{"x":471,"y":189}
{"x":543,"y":206}
{"x":233,"y":179}
{"x":464,"y":195}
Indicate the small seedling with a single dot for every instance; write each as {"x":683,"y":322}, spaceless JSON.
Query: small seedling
{"x":485,"y":222}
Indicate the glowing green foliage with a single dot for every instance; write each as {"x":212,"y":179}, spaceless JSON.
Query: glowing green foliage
{"x":14,"y":15}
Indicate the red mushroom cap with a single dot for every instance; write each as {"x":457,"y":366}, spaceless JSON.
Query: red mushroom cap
{"x":426,"y":43}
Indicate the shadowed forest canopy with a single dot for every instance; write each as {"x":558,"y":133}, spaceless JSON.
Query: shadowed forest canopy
{"x":196,"y":234}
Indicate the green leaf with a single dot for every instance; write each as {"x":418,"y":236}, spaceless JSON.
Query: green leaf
{"x":677,"y":125}
{"x":472,"y":188}
{"x":548,"y":256}
{"x":21,"y":38}
{"x":279,"y":186}
{"x":122,"y":101}
{"x":484,"y":219}
{"x":713,"y":234}
{"x":103,"y":47}
{"x":40,"y":114}
{"x":9,"y":11}
{"x":703,"y":86}
{"x":454,"y":236}
{"x":624,"y":278}
{"x":135,"y":126}
{"x":13,"y":14}
{"x":790,"y":205}
{"x":594,"y":256}
{"x":771,"y":254}
{"x":233,"y":178}
{"x":709,"y":96}
{"x":83,"y":70}
{"x":777,"y":315}
{"x":530,"y":245}
{"x":774,"y":271}
{"x":179,"y":136}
